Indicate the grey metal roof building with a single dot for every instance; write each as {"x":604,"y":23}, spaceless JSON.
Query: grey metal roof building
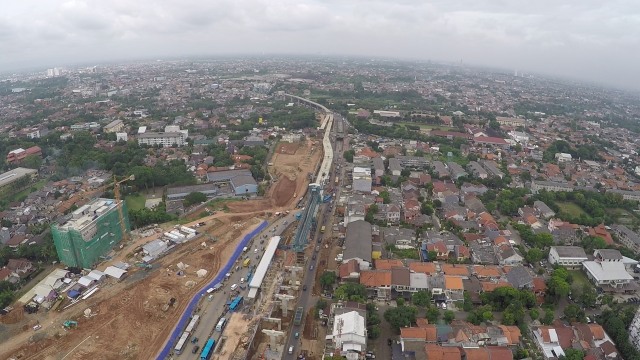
{"x":394,"y":166}
{"x":456,"y":170}
{"x":570,"y":251}
{"x":519,"y":277}
{"x":627,"y":237}
{"x":477,"y":170}
{"x":178,"y":193}
{"x":14,"y":175}
{"x":413,"y":161}
{"x":378,"y":166}
{"x":358,"y":241}
{"x":226,"y":176}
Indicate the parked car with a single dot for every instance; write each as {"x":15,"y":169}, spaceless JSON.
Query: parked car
{"x":195,"y":349}
{"x":304,"y":287}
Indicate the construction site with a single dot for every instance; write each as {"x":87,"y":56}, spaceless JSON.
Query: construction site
{"x":128,"y":319}
{"x":132,"y":318}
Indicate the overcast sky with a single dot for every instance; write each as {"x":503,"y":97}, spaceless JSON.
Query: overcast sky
{"x":595,"y":40}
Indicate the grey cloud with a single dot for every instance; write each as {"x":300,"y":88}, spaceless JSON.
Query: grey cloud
{"x":543,"y":35}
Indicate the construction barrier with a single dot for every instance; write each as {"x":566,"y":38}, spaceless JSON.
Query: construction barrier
{"x":186,"y":316}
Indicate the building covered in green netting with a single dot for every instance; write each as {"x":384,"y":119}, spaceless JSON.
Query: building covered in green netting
{"x":90,"y":233}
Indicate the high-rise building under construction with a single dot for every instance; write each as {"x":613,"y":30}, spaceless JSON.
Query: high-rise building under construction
{"x":90,"y":233}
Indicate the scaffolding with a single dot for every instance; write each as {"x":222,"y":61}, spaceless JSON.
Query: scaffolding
{"x":90,"y":234}
{"x":307,"y":221}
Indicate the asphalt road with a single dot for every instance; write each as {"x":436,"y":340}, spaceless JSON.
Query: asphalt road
{"x":306,"y":299}
{"x":213,"y":308}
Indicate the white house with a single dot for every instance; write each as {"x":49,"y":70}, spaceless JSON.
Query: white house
{"x":607,"y":270}
{"x":563,"y":157}
{"x":349,"y":334}
{"x":569,"y":256}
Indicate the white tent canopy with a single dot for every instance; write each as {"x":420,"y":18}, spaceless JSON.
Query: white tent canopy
{"x":114,"y":272}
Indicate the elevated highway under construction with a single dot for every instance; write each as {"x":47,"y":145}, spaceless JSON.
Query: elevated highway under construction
{"x":308,"y":219}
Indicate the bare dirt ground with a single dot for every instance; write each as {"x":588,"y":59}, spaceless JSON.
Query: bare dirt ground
{"x":291,"y":165}
{"x":287,"y":148}
{"x":128,"y":321}
{"x":133,"y":319}
{"x":234,"y":332}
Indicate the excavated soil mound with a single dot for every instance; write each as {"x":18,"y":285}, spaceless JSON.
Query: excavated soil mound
{"x":286,"y":148}
{"x":283,"y":191}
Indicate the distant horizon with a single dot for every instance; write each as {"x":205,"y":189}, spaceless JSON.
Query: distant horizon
{"x":32,"y":69}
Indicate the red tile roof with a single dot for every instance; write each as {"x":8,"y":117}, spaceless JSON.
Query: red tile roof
{"x":373,"y":278}
{"x":387,"y":264}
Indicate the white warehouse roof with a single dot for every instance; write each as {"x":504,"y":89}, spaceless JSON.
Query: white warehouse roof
{"x":263,"y":266}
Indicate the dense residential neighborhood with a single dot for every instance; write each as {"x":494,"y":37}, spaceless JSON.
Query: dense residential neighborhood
{"x":418,"y":211}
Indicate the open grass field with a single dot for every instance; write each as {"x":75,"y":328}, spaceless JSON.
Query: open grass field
{"x":621,"y":215}
{"x":135,"y":202}
{"x":31,"y":188}
{"x":570,"y":208}
{"x":579,"y":278}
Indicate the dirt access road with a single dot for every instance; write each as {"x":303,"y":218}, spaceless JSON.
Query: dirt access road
{"x":291,"y":164}
{"x":131,"y":324}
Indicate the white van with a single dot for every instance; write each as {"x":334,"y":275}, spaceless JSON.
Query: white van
{"x":242,"y":281}
{"x":234,"y":286}
{"x":290,"y":349}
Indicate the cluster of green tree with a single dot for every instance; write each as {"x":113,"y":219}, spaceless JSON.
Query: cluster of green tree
{"x":258,"y":158}
{"x":511,"y":302}
{"x":173,"y":173}
{"x":371,"y":212}
{"x":574,"y":313}
{"x":351,"y":292}
{"x":582,"y":152}
{"x":426,"y":207}
{"x":79,"y":155}
{"x":558,"y":286}
{"x":292,"y":118}
{"x":480,"y":314}
{"x":220,"y":155}
{"x":590,"y":243}
{"x":629,"y":123}
{"x":195,"y":197}
{"x":328,"y":279}
{"x":430,"y":120}
{"x":387,"y":180}
{"x":540,"y":241}
{"x":373,"y":322}
{"x":386,"y":198}
{"x":507,"y":201}
{"x":594,"y":204}
{"x":403,"y":253}
{"x":401,"y":316}
{"x":401,"y":132}
{"x":369,"y":99}
{"x":616,"y":322}
{"x":348,"y":155}
{"x":143,"y":217}
{"x":527,"y":108}
{"x":44,"y":252}
{"x":493,"y":182}
{"x":7,"y":294}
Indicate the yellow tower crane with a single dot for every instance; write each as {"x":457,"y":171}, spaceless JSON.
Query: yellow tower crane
{"x":116,"y":191}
